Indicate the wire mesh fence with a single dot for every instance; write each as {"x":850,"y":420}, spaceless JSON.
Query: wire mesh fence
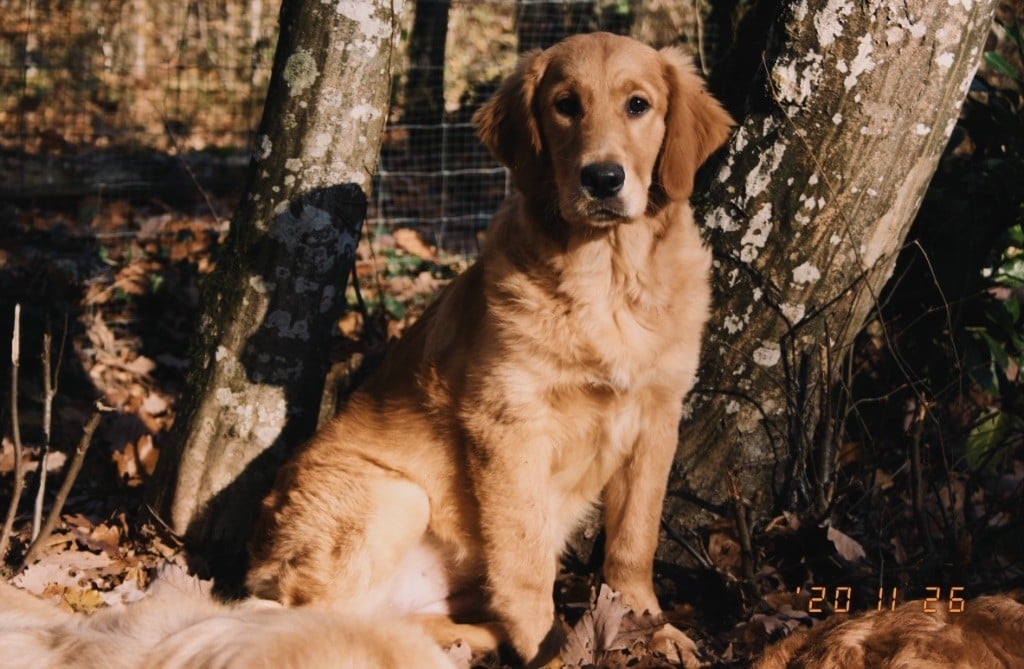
{"x":115,"y":97}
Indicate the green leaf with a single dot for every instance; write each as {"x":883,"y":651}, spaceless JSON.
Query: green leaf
{"x":1015,"y":235}
{"x":998,"y":352}
{"x":1012,"y":307}
{"x":986,"y":439}
{"x":1011,"y":272}
{"x":1002,"y":65}
{"x":394,"y":307}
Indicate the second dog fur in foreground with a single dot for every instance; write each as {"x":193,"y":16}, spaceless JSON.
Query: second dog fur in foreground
{"x":987,"y":634}
{"x":178,"y":627}
{"x":547,"y":378}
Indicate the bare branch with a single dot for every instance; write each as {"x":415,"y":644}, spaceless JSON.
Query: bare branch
{"x":49,"y":390}
{"x":65,"y":489}
{"x":742,"y":528}
{"x":19,"y":465}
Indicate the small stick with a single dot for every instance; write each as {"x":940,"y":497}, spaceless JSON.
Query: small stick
{"x":917,"y":471}
{"x":700,"y":38}
{"x":19,"y":465}
{"x":742,"y":528}
{"x":49,"y":390}
{"x":65,"y":489}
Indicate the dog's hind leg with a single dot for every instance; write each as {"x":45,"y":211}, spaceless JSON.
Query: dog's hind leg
{"x":338,"y":543}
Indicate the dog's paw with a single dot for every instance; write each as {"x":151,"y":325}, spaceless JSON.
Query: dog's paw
{"x":676,"y":647}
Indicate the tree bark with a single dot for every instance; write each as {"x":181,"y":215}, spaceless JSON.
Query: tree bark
{"x":807,"y":210}
{"x":423,"y":102}
{"x":424,"y":91}
{"x":269,"y":309}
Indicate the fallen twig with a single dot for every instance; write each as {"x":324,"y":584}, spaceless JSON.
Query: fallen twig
{"x":19,"y":465}
{"x":65,"y":489}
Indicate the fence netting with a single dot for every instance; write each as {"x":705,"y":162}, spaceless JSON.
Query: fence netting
{"x":111,"y":98}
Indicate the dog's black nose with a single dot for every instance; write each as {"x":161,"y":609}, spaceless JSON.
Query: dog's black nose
{"x":602,"y":179}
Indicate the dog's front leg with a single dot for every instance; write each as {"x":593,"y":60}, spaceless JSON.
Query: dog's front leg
{"x":520,"y":547}
{"x":633,"y":502}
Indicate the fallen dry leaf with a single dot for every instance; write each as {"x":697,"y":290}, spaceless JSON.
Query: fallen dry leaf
{"x":136,"y":462}
{"x":847,"y":547}
{"x":154,"y":404}
{"x":763,"y":628}
{"x":103,"y":538}
{"x":607,"y":626}
{"x":141,"y":365}
{"x":83,"y":600}
{"x":351,"y":324}
{"x":411,"y":242}
{"x":67,"y":569}
{"x":54,"y":460}
{"x":129,"y":590}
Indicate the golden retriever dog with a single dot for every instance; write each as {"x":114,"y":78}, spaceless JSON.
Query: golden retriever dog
{"x":181,"y":628}
{"x":987,"y":634}
{"x":545,"y":380}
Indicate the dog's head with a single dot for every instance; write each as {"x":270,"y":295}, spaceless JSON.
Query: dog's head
{"x":604,"y":121}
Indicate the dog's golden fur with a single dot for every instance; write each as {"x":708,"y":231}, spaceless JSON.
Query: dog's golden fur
{"x":988,"y":634}
{"x":181,"y":628}
{"x":547,"y":378}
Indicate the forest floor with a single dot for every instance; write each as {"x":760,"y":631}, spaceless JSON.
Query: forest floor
{"x":116,"y":285}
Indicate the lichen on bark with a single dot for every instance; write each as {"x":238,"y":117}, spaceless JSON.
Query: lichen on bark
{"x":807,"y":209}
{"x":269,"y":309}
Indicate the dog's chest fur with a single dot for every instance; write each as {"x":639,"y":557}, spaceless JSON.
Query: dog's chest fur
{"x":613,"y":313}
{"x":591,"y":345}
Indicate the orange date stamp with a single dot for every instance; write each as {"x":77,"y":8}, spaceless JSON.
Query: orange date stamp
{"x":840,"y":599}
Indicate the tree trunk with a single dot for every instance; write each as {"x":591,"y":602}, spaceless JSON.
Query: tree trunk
{"x":269,"y":309}
{"x":810,"y":204}
{"x":424,"y":89}
{"x":424,"y":92}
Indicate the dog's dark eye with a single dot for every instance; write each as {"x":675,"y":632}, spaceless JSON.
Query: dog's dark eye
{"x":637,"y":106}
{"x":569,"y":106}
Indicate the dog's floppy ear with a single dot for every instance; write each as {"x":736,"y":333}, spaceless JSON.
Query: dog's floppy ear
{"x":696,"y":125}
{"x":507,"y":124}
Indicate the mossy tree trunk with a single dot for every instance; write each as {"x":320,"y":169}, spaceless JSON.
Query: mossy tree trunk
{"x":807,"y":210}
{"x":268,"y":310}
